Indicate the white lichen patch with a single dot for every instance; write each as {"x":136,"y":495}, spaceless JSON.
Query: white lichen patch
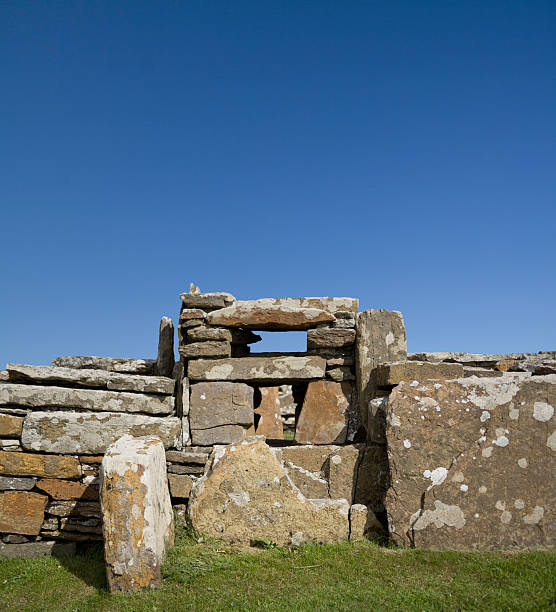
{"x":522,"y":462}
{"x":542,"y":411}
{"x":519,"y":504}
{"x":487,"y":452}
{"x":500,"y":505}
{"x":407,"y":444}
{"x":501,"y":441}
{"x":464,"y":488}
{"x":535,"y":516}
{"x":482,"y":489}
{"x":442,"y":515}
{"x":485,"y":416}
{"x":551,"y":441}
{"x":437,"y":476}
{"x":514,"y":414}
{"x":505,"y":517}
{"x":458,"y":477}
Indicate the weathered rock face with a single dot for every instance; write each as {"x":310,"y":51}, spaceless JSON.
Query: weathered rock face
{"x":266,"y":370}
{"x":10,"y":426}
{"x":472,"y":463}
{"x":333,"y":305}
{"x":265,"y":315}
{"x":323,"y":417}
{"x":393,"y":373}
{"x":380,"y":339}
{"x":223,"y":434}
{"x":221,"y":403}
{"x":90,"y":378}
{"x":138,"y":523}
{"x":211,"y":348}
{"x":247,"y":495}
{"x":13,"y":483}
{"x":270,"y":419}
{"x":22,"y":512}
{"x":32,"y":550}
{"x":34,"y":396}
{"x":180,"y":485}
{"x":48,"y":466}
{"x":84,"y":433}
{"x":330,"y":337}
{"x":207,"y":301}
{"x":111,"y":364}
{"x":66,"y":489}
{"x":165,"y":359}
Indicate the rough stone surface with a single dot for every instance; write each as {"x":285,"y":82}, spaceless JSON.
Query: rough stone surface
{"x":472,"y":463}
{"x":112,"y":364}
{"x":189,"y":314}
{"x":380,"y":339}
{"x":311,"y":484}
{"x":481,"y":372}
{"x":393,"y":373}
{"x":312,"y":458}
{"x":10,"y":426}
{"x":342,"y":470}
{"x":340,"y":374}
{"x":211,"y":348}
{"x":37,"y":549}
{"x":66,"y":489}
{"x":220,"y":403}
{"x":373,"y":477}
{"x":323,"y":417}
{"x":341,"y":307}
{"x":34,"y":396}
{"x":4,"y":376}
{"x":192,"y":455}
{"x":267,"y":370}
{"x":22,"y":512}
{"x":46,"y":466}
{"x":266,"y":315}
{"x":180,"y":485}
{"x":270,"y":419}
{"x":224,"y":434}
{"x":13,"y":483}
{"x":90,"y":378}
{"x":202,"y":334}
{"x":74,"y":508}
{"x":207,"y":301}
{"x":137,"y":516}
{"x":358,"y":520}
{"x":86,"y":433}
{"x":330,"y":337}
{"x":247,"y":495}
{"x":165,"y":359}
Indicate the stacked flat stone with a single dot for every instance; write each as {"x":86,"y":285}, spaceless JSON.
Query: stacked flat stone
{"x":55,"y":424}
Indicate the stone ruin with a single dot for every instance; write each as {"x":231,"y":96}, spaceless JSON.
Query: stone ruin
{"x":442,"y":450}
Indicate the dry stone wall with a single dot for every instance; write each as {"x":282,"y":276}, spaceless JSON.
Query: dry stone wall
{"x":364,"y":439}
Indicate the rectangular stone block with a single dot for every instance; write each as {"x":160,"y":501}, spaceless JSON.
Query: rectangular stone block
{"x":312,"y":458}
{"x":342,"y":471}
{"x":74,"y":507}
{"x":340,"y":307}
{"x":88,"y":433}
{"x":10,"y":426}
{"x":472,"y":463}
{"x":90,"y":378}
{"x":13,"y":483}
{"x":380,"y":339}
{"x":269,"y":370}
{"x":48,"y":466}
{"x":225,"y":434}
{"x":269,"y":417}
{"x":22,"y":512}
{"x":206,"y":301}
{"x":192,"y":455}
{"x":31,"y":550}
{"x":112,"y":364}
{"x":34,"y":396}
{"x":66,"y":489}
{"x":211,"y":348}
{"x":330,"y":337}
{"x":180,"y":485}
{"x":202,"y":334}
{"x":393,"y":373}
{"x":220,"y":403}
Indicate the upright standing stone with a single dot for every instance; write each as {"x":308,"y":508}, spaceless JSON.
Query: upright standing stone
{"x":380,"y":339}
{"x":137,"y":516}
{"x":270,"y":419}
{"x":165,"y":360}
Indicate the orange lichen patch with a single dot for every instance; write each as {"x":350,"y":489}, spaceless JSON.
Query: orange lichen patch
{"x":49,"y":466}
{"x":65,"y":489}
{"x":22,"y":512}
{"x":10,"y":426}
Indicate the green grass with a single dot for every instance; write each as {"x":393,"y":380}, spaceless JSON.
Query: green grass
{"x":348,"y":576}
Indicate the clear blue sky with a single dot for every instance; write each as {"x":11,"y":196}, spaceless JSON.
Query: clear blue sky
{"x":399,"y":152}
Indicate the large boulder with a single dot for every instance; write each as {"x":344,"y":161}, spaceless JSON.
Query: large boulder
{"x":247,"y":495}
{"x":472,"y":462}
{"x":138,"y":522}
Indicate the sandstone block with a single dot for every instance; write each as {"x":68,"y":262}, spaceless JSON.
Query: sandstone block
{"x":393,"y":373}
{"x":311,"y":484}
{"x":37,"y":549}
{"x":220,"y":403}
{"x":270,"y":419}
{"x":22,"y":512}
{"x":138,"y":522}
{"x":373,"y":477}
{"x":481,"y":372}
{"x":224,"y":434}
{"x":340,"y":374}
{"x":10,"y":426}
{"x":471,"y":460}
{"x":48,"y":466}
{"x":206,"y":301}
{"x":340,"y":307}
{"x":193,"y":455}
{"x":330,"y":337}
{"x":247,"y":495}
{"x":34,"y":396}
{"x":202,"y":334}
{"x":74,"y":508}
{"x":266,"y":370}
{"x":380,"y":339}
{"x":189,"y":314}
{"x":323,"y":417}
{"x":13,"y":483}
{"x":357,"y":520}
{"x":180,"y":485}
{"x":90,"y":378}
{"x":90,"y":433}
{"x":211,"y":348}
{"x":185,"y":469}
{"x":343,"y":467}
{"x":165,"y":359}
{"x":112,"y":364}
{"x":66,"y":489}
{"x":313,"y":458}
{"x":266,"y":315}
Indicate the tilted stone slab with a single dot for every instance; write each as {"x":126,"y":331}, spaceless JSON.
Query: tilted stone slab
{"x":472,"y":463}
{"x":280,"y":370}
{"x":393,"y":373}
{"x":247,"y":496}
{"x":87,"y":433}
{"x":220,"y":403}
{"x":265,"y":315}
{"x":35,"y":396}
{"x":111,"y":364}
{"x":22,"y":512}
{"x":90,"y":378}
{"x":47,"y":466}
{"x":137,"y":517}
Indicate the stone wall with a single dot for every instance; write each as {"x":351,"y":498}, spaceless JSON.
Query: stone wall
{"x":354,"y":426}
